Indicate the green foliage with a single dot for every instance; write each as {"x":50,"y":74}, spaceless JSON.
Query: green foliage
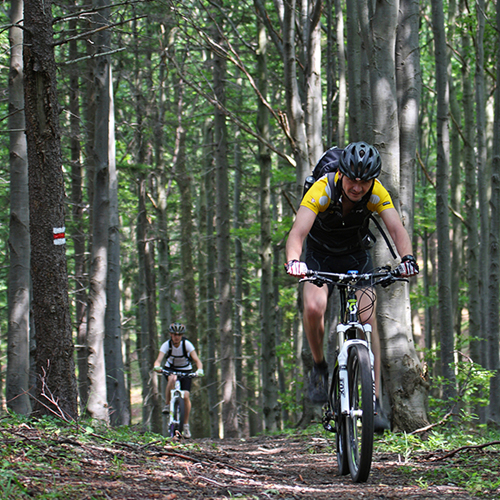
{"x":38,"y":457}
{"x":474,"y":468}
{"x":472,"y":387}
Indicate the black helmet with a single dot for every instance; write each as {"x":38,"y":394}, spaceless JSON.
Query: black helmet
{"x":177,"y":328}
{"x":360,"y":161}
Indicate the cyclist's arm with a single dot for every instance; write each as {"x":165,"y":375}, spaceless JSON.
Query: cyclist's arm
{"x":196,"y":359}
{"x":397,"y":231}
{"x":159,"y":359}
{"x":300,"y":229}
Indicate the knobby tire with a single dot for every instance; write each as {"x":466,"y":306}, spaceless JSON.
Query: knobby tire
{"x":177,"y":425}
{"x":359,"y":422}
{"x":340,"y":424}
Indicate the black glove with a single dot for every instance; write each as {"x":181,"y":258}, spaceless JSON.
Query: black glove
{"x":408,"y":266}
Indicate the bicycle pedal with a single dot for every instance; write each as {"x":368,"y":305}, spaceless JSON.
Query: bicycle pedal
{"x":327,"y":418}
{"x":328,"y":427}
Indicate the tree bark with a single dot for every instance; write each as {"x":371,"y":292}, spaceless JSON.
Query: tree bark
{"x":118,"y":400}
{"x":494,"y":269}
{"x":56,"y":383}
{"x":401,"y":371}
{"x":270,"y":404}
{"x":442,"y":182}
{"x":18,"y":355}
{"x":229,"y":414}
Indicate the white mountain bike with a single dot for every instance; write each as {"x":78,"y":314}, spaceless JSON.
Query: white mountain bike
{"x":351,"y":401}
{"x":177,"y":404}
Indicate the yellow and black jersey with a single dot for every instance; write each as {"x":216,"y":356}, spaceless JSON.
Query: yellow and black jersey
{"x":333,"y":232}
{"x":319,"y":196}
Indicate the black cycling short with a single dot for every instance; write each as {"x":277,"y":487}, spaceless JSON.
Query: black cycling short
{"x":359,"y":260}
{"x":185,"y":381}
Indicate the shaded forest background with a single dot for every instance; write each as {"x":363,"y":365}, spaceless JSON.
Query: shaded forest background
{"x":186,"y":131}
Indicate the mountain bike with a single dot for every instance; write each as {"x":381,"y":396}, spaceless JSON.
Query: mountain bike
{"x":351,"y":400}
{"x":177,"y":405}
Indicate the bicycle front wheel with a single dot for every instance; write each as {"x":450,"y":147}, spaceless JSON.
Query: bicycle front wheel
{"x":177,"y":421}
{"x":359,"y":421}
{"x":340,"y":424}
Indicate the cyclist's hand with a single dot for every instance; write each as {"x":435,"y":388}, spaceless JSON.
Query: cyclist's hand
{"x":157,"y":369}
{"x":199,"y":372}
{"x":296,"y":268}
{"x":408,"y":266}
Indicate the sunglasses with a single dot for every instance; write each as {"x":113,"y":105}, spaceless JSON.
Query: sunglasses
{"x":176,"y":334}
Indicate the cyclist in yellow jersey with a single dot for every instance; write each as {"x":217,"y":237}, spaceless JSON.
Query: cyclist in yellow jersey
{"x":333,"y":219}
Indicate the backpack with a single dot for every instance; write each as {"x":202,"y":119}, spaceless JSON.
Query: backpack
{"x":184,"y":349}
{"x":328,"y":164}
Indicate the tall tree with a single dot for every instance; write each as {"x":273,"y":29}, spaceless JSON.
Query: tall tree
{"x":115,"y":375}
{"x":379,"y":26}
{"x":493,"y":357}
{"x":18,"y":355}
{"x":97,"y":404}
{"x":56,"y":383}
{"x":267,"y":312}
{"x":229,"y":414}
{"x":442,"y":218}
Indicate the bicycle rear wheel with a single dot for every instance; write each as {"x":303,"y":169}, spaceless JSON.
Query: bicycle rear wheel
{"x":359,"y":421}
{"x":340,"y":427}
{"x":177,"y":422}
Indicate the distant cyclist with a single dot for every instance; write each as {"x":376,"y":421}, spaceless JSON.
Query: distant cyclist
{"x":334,"y":219}
{"x":179,"y":355}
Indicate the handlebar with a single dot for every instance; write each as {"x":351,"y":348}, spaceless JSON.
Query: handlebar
{"x":383,"y":276}
{"x":167,"y":372}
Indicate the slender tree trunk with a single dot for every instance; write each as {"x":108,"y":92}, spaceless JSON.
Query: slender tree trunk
{"x":342,"y":88}
{"x":147,"y":335}
{"x":230,"y":419}
{"x":471,"y":215}
{"x":115,"y":376}
{"x":97,"y":405}
{"x":481,"y":187}
{"x":354,"y":70}
{"x":79,"y":222}
{"x":295,"y":110}
{"x":456,"y":186}
{"x":183,"y":180}
{"x":238,"y":282}
{"x":312,"y":86}
{"x":270,"y":404}
{"x":442,"y":222}
{"x":18,"y":355}
{"x":211,"y":332}
{"x":409,"y":87}
{"x":56,"y":383}
{"x":494,"y":270}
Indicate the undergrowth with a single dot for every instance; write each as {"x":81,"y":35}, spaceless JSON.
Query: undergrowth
{"x":43,"y":458}
{"x":454,"y":455}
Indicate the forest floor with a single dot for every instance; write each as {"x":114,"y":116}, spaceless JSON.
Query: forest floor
{"x":47,"y":463}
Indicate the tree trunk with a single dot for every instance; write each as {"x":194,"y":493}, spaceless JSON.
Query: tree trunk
{"x":270,"y":404}
{"x":400,"y":365}
{"x":115,"y":377}
{"x":80,"y":225}
{"x":56,"y":383}
{"x":147,"y":337}
{"x":97,"y":405}
{"x":295,"y":110}
{"x":229,"y":414}
{"x":494,"y":290}
{"x":238,"y":284}
{"x":18,"y":355}
{"x":442,"y":183}
{"x":212,"y":344}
